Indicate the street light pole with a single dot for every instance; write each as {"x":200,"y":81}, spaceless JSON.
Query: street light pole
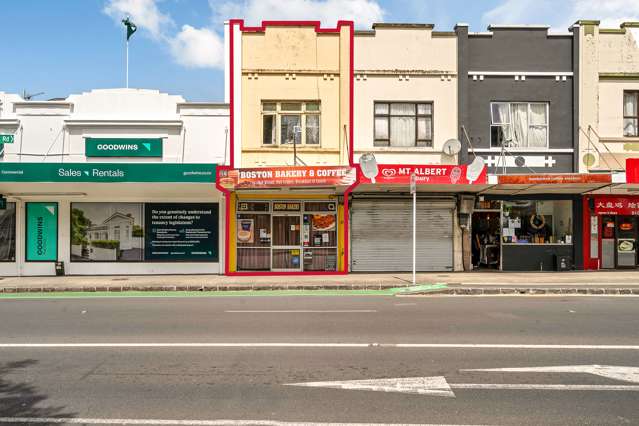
{"x":413,"y":190}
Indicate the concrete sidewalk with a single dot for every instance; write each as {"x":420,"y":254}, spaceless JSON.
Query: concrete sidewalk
{"x":488,"y":280}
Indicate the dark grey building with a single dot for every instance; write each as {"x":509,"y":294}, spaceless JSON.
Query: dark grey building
{"x":517,"y":98}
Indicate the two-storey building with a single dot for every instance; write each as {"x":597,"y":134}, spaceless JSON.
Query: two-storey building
{"x":111,"y":182}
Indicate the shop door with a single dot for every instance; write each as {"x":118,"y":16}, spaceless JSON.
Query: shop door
{"x":626,"y":242}
{"x":286,"y":243}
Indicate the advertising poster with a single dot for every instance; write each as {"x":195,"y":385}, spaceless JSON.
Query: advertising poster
{"x":107,"y":232}
{"x":245,"y":231}
{"x":181,"y":232}
{"x":42,"y":232}
{"x":8,"y":233}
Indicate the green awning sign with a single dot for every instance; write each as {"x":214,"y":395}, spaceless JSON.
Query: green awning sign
{"x":7,"y":138}
{"x":123,"y":147}
{"x":107,"y":172}
{"x":42,"y":232}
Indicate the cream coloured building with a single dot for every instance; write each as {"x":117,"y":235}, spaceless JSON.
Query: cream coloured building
{"x":608,"y":95}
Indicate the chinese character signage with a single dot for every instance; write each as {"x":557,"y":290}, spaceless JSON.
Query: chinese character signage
{"x":617,"y":206}
{"x":274,"y":177}
{"x":429,"y":174}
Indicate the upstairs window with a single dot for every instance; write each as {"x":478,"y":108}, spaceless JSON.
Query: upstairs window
{"x":403,"y":124}
{"x":287,"y":123}
{"x":631,"y":113}
{"x":520,"y":125}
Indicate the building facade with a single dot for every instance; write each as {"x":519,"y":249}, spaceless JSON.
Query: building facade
{"x":289,"y":85}
{"x":111,"y":182}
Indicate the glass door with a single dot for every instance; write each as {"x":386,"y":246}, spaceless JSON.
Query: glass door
{"x":286,"y":242}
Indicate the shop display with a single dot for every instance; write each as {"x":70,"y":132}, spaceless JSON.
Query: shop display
{"x":8,"y":233}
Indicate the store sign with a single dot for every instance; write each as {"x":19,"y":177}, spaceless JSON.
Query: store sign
{"x":400,"y":174}
{"x":107,"y":172}
{"x":632,"y":170}
{"x":7,"y":138}
{"x":123,"y":147}
{"x":276,"y":177}
{"x":181,"y":232}
{"x":622,"y":206}
{"x":42,"y":232}
{"x":554,"y":179}
{"x":287,"y":207}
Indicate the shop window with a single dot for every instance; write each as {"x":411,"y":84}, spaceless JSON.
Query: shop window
{"x":8,"y":233}
{"x":537,"y":222}
{"x":631,"y":113}
{"x":403,"y":124}
{"x":291,"y":123}
{"x":144,"y":232}
{"x":519,"y":125}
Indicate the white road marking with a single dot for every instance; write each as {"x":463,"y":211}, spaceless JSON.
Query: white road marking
{"x":304,"y":311}
{"x":525,"y":386}
{"x":436,"y":385}
{"x":319,"y":345}
{"x":90,"y":421}
{"x":626,"y":374}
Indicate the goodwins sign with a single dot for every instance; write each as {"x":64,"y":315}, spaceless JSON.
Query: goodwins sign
{"x":123,"y":147}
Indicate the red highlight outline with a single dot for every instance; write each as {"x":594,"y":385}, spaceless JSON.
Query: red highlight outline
{"x":351,"y":144}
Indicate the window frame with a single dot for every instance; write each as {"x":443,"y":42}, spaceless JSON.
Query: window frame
{"x":303,"y":113}
{"x":510,"y":123}
{"x":417,"y":143}
{"x":630,"y":117}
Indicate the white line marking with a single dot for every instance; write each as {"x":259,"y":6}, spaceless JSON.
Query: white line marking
{"x":435,"y":386}
{"x":625,"y":374}
{"x":318,"y":345}
{"x":524,"y":386}
{"x":89,"y":421}
{"x":305,"y":311}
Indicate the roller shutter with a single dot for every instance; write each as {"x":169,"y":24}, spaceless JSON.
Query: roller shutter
{"x":382,"y":235}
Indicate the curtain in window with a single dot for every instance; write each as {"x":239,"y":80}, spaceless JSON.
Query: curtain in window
{"x":519,"y":114}
{"x":402,"y":131}
{"x":629,"y":104}
{"x":537,"y":135}
{"x":312,"y":129}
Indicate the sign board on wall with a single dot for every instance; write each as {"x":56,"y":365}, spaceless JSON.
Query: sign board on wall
{"x":400,"y":174}
{"x":632,"y":170}
{"x":7,"y":138}
{"x":555,"y":179}
{"x":181,"y":232}
{"x":625,"y":206}
{"x":123,"y":147}
{"x":107,"y":172}
{"x":42,"y":232}
{"x":275,"y":177}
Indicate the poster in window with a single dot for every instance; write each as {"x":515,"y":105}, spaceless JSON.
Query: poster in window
{"x":42,"y":232}
{"x":181,"y":232}
{"x":323,"y":222}
{"x":246,"y":231}
{"x":107,"y":232}
{"x":8,"y":233}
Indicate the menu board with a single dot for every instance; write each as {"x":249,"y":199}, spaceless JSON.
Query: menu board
{"x":181,"y":232}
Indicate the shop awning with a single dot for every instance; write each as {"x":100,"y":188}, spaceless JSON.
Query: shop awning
{"x":393,"y":178}
{"x":332,"y":178}
{"x":559,"y":183}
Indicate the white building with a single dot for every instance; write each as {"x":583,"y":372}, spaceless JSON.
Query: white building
{"x":116,"y":181}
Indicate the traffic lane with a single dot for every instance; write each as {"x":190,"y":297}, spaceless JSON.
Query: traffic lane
{"x":549,"y":320}
{"x":249,"y":384}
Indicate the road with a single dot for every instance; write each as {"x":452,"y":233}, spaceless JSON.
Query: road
{"x":219,"y":360}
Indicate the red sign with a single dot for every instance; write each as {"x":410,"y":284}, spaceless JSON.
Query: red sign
{"x":276,"y":177}
{"x":554,"y":179}
{"x":429,"y":174}
{"x":625,"y":206}
{"x":632,"y":170}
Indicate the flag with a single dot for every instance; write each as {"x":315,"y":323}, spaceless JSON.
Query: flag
{"x":130,"y":27}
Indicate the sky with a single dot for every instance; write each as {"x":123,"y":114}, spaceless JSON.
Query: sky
{"x":64,"y":47}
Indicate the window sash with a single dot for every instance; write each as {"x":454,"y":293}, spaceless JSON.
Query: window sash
{"x":631,"y":113}
{"x":525,"y":125}
{"x":403,"y":124}
{"x":284,"y":123}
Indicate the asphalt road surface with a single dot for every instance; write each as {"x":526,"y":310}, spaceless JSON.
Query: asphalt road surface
{"x":249,"y":360}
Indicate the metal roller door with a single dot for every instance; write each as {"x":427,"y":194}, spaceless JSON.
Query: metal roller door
{"x":382,"y":235}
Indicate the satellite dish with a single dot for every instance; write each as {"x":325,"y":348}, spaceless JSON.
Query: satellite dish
{"x":368,"y":165}
{"x":452,"y":147}
{"x":474,"y":169}
{"x":520,"y":161}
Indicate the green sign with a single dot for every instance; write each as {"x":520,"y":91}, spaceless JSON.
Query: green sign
{"x":123,"y":147}
{"x":7,"y":138}
{"x":42,"y":232}
{"x":107,"y":172}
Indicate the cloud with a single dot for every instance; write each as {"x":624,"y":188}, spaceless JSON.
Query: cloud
{"x":144,"y":13}
{"x":363,"y":12}
{"x":198,"y":48}
{"x":563,"y":14}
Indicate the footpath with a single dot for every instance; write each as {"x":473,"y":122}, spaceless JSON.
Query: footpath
{"x":453,"y":283}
